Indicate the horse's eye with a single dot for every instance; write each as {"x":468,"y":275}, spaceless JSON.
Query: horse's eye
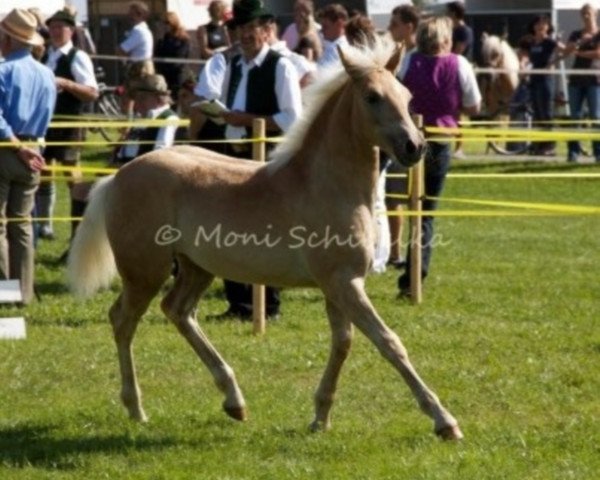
{"x":372,"y":98}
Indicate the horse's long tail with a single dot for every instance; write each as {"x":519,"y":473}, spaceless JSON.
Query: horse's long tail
{"x":91,"y":261}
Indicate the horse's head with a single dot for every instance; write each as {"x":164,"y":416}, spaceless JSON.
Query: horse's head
{"x":491,"y":50}
{"x":382,"y":101}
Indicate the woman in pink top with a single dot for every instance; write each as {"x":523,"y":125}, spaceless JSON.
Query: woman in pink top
{"x":443,"y":85}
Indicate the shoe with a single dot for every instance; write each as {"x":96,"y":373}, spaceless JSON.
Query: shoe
{"x":459,"y":154}
{"x":398,"y":263}
{"x":404,"y":293}
{"x":572,"y":158}
{"x":45,"y":233}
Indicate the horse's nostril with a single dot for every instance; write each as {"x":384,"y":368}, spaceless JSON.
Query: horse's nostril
{"x":410,"y":147}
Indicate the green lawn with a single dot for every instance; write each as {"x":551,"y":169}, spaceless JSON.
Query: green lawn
{"x":507,"y":336}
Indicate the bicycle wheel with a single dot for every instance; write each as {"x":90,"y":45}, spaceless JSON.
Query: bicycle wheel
{"x":502,"y":147}
{"x":108,"y":106}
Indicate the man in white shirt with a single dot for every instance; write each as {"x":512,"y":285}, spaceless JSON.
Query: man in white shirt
{"x":333,"y":20}
{"x":138,"y":47}
{"x":257,"y":69}
{"x":258,"y":83}
{"x":304,"y":67}
{"x":76,"y":85}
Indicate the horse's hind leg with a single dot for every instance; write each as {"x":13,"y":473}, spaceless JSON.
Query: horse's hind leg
{"x":341,"y":339}
{"x":124,"y":316}
{"x":179,"y":306}
{"x":350,"y":296}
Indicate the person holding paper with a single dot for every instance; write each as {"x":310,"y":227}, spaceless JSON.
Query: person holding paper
{"x":258,"y":83}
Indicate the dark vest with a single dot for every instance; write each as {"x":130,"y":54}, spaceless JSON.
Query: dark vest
{"x":147,"y":136}
{"x":66,"y":103}
{"x":260,"y":94}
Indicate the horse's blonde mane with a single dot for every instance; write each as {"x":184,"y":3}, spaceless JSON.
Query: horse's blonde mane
{"x":510,"y":61}
{"x":329,"y":81}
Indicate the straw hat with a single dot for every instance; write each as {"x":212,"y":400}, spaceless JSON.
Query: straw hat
{"x":22,"y":26}
{"x":151,"y":84}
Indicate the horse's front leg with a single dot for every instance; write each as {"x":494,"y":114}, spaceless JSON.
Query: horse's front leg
{"x":341,"y":339}
{"x":350,"y":297}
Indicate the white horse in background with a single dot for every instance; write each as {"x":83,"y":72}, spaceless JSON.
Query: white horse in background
{"x":499,"y":88}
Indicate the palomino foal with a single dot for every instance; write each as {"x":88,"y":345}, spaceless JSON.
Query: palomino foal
{"x":303,"y":219}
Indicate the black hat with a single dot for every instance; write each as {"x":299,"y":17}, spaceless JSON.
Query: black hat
{"x":244,"y":11}
{"x":63,"y":16}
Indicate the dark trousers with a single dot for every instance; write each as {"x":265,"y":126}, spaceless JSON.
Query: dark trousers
{"x":437,"y":164}
{"x":578,"y":95}
{"x":239,"y":295}
{"x":542,"y":101}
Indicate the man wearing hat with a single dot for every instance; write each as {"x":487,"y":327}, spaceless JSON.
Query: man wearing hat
{"x":258,"y":83}
{"x":76,"y":85}
{"x":152,"y":101}
{"x":27,"y":97}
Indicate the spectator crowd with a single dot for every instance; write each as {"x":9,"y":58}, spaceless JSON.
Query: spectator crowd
{"x":248,"y":71}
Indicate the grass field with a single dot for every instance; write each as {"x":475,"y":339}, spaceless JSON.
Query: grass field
{"x":508,"y":337}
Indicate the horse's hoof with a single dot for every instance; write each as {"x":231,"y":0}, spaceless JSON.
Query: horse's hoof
{"x":450,"y":433}
{"x":139,"y":417}
{"x":318,"y":426}
{"x":238,"y":413}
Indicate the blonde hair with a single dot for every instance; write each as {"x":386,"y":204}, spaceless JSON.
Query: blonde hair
{"x":173,"y":21}
{"x":217,"y":10}
{"x":588,"y":7}
{"x":434,"y":34}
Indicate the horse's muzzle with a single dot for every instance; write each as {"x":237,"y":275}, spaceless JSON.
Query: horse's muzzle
{"x":409,"y":151}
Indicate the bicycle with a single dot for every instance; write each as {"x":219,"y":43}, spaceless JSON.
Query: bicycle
{"x":518,"y":116}
{"x":107,"y":107}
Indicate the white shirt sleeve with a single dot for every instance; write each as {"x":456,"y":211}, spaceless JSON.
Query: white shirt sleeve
{"x":404,"y":63}
{"x":133,"y":40}
{"x":289,"y":96}
{"x":166,"y":134}
{"x":212,"y":78}
{"x":468,"y":83}
{"x":82,"y":70}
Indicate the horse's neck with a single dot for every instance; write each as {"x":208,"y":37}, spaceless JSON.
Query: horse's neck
{"x":337,"y":154}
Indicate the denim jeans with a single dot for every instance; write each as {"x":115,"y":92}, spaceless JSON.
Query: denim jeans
{"x":437,"y":164}
{"x":541,"y":101}
{"x":577,"y":96}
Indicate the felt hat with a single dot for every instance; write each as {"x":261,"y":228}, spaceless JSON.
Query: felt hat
{"x":244,"y":11}
{"x":62,"y":16}
{"x":151,"y":84}
{"x":22,"y":26}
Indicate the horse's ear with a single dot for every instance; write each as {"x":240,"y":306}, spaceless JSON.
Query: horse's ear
{"x":352,"y":69}
{"x":393,"y":64}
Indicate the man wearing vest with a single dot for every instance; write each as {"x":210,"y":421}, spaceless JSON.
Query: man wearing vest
{"x":152,"y":101}
{"x":258,"y":83}
{"x":76,"y":84}
{"x":27,"y":96}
